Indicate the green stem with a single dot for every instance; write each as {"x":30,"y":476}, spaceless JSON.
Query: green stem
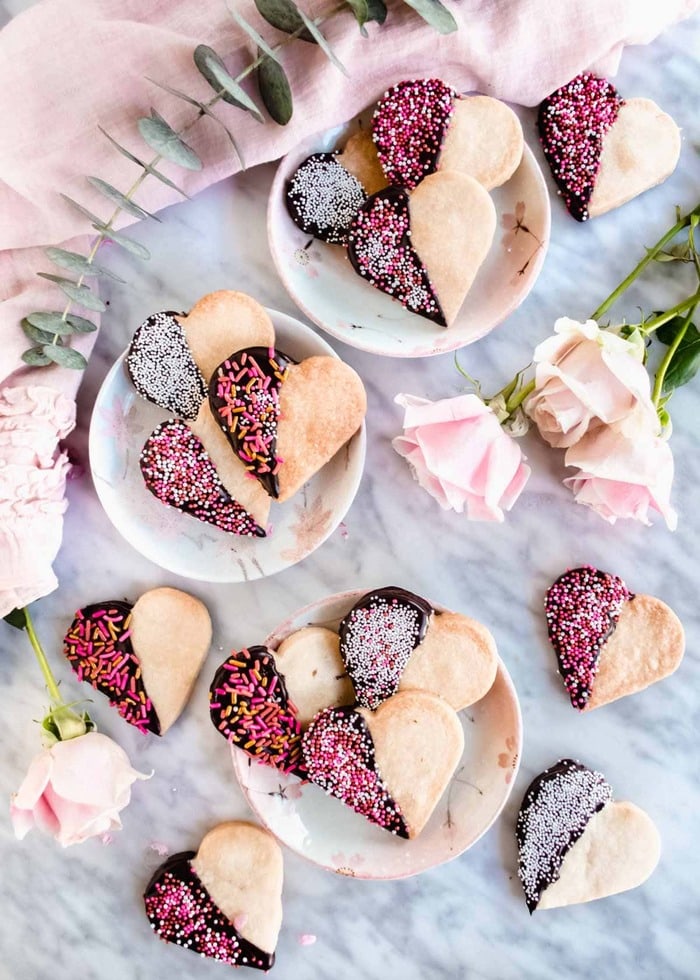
{"x":519,"y":397}
{"x":51,"y":685}
{"x":658,"y":321}
{"x":643,"y":263}
{"x":668,"y":357}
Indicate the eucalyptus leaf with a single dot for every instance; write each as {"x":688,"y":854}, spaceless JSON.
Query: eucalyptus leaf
{"x":212,"y":68}
{"x":162,"y":138}
{"x":275,"y":90}
{"x":322,"y":43}
{"x":17,"y":619}
{"x":79,"y":294}
{"x":35,"y":334}
{"x":121,"y":200}
{"x":260,"y":41}
{"x":361,"y":12}
{"x":205,"y":110}
{"x":74,"y":262}
{"x":65,"y":356}
{"x":35,"y":357}
{"x":140,"y":163}
{"x":435,"y":14}
{"x":84,"y":211}
{"x":136,"y":248}
{"x":284,"y":15}
{"x":54,"y":323}
{"x":376,"y":11}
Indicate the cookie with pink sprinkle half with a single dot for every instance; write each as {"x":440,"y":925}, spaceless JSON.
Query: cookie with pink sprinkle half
{"x":224,"y":901}
{"x":576,"y":844}
{"x":608,"y":641}
{"x":604,"y":150}
{"x":391,"y":765}
{"x":144,"y":657}
{"x":424,"y":126}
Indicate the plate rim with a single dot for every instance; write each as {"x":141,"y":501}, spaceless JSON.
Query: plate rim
{"x":239,"y":759}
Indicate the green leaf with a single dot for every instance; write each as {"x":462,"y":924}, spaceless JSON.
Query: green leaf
{"x":79,"y":294}
{"x":684,"y":365}
{"x":84,"y":211}
{"x":144,"y":166}
{"x":212,"y":68}
{"x":17,"y":619}
{"x":65,"y":356}
{"x":361,"y":12}
{"x":205,"y":110}
{"x":74,"y":262}
{"x":323,"y":43}
{"x":253,"y":34}
{"x":136,"y":248}
{"x":284,"y":15}
{"x":275,"y":91}
{"x":37,"y":335}
{"x":121,"y":200}
{"x":35,"y":357}
{"x":433,"y":13}
{"x":668,"y":332}
{"x":376,"y":11}
{"x":162,"y":138}
{"x":54,"y":323}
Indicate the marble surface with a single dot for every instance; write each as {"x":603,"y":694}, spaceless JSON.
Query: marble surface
{"x":78,"y":912}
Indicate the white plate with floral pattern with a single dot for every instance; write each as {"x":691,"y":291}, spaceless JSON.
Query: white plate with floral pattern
{"x":322,"y":283}
{"x":329,"y":834}
{"x":121,"y":422}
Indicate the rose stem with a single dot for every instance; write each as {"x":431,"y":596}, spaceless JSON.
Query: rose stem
{"x":51,"y":685}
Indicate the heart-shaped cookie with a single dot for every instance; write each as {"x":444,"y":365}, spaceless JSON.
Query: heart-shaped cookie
{"x":424,"y":248}
{"x":250,"y":707}
{"x":286,"y":420}
{"x":313,"y":671}
{"x":423,"y":126}
{"x":604,"y":151}
{"x":144,"y":657}
{"x":609,"y":642}
{"x":178,"y":471}
{"x":393,"y":640}
{"x":392,"y":765}
{"x":575,"y":844}
{"x":225,"y":901}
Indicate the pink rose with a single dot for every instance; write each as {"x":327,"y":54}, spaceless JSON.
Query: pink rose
{"x":624,"y":471}
{"x":585,"y":377}
{"x":460,"y":454}
{"x":74,"y":790}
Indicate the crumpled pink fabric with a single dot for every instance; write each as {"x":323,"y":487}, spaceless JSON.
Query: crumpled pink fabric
{"x":32,"y":490}
{"x":461,"y":455}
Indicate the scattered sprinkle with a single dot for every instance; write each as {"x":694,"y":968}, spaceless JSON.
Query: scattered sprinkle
{"x":306,"y":939}
{"x":162,"y":368}
{"x":106,"y":839}
{"x":240,"y":921}
{"x":159,"y":847}
{"x":323,"y":198}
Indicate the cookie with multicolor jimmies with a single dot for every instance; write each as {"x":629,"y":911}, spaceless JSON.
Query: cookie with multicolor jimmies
{"x":285,"y":420}
{"x":393,"y":640}
{"x":224,"y":901}
{"x":424,"y":126}
{"x":604,"y":150}
{"x":424,"y":247}
{"x":391,"y":765}
{"x":145,"y":657}
{"x":576,"y":844}
{"x":608,"y":641}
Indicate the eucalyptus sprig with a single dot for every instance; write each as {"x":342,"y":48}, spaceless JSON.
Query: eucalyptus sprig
{"x":50,"y":331}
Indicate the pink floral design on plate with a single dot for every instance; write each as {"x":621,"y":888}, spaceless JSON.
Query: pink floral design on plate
{"x":311,"y":526}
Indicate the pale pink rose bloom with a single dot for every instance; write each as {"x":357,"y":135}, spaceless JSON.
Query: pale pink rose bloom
{"x":74,"y":790}
{"x":585,"y":377}
{"x":625,"y":470}
{"x":460,"y":454}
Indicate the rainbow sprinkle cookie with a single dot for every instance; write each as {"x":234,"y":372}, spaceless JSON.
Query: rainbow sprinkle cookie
{"x":161,"y":366}
{"x":582,"y":609}
{"x":339,"y":757}
{"x":249,"y":706}
{"x":99,"y":649}
{"x":323,"y":197}
{"x":572,"y":123}
{"x":244,"y":395}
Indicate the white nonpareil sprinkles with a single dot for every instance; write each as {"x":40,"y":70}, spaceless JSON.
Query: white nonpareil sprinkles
{"x":162,"y":368}
{"x":554,"y":813}
{"x":323,"y":198}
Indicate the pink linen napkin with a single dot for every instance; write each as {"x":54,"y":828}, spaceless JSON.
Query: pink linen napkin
{"x":67,"y":66}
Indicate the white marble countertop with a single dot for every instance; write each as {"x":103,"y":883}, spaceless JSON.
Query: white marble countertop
{"x":78,"y":912}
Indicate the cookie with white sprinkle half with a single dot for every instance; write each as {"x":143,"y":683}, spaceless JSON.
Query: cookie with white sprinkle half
{"x":575,"y":844}
{"x":609,"y":642}
{"x":391,"y":765}
{"x":424,"y":126}
{"x":393,"y":640}
{"x":224,"y":901}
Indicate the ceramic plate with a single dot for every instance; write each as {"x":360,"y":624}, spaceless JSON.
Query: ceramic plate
{"x":320,"y":828}
{"x":322,"y":283}
{"x":121,"y":422}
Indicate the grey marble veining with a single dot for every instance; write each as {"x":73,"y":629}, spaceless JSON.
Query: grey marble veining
{"x":78,"y":912}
